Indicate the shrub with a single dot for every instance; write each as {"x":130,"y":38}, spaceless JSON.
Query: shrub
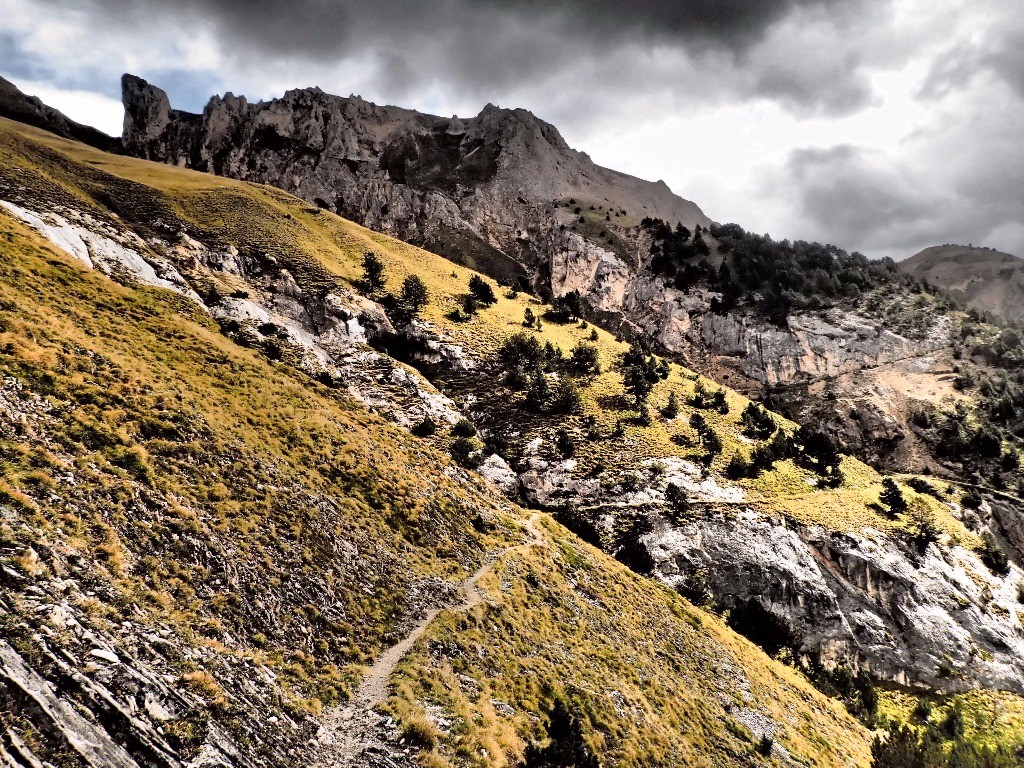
{"x":677,"y":501}
{"x":528,"y":318}
{"x":481,"y":291}
{"x":992,"y":556}
{"x":923,"y":486}
{"x":970,"y":500}
{"x":739,"y":467}
{"x":464,"y":428}
{"x":671,"y":409}
{"x":568,"y":307}
{"x":712,"y":446}
{"x":420,"y":732}
{"x":816,"y":451}
{"x":643,"y":415}
{"x":425,"y":428}
{"x":463,"y":450}
{"x":566,"y":397}
{"x":757,"y":423}
{"x":584,"y":360}
{"x":709,"y":401}
{"x":565,"y":444}
{"x":553,"y":356}
{"x":537,"y":391}
{"x":521,"y":350}
{"x":920,"y":530}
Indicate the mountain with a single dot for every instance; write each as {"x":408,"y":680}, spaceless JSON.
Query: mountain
{"x":218,"y":541}
{"x":501,"y":192}
{"x":15,"y":105}
{"x":984,"y":279}
{"x":261,"y":510}
{"x":484,"y":191}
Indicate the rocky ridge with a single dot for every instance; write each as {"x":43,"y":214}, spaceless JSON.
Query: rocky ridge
{"x":30,"y":110}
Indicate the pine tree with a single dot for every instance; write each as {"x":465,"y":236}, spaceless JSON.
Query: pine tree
{"x":892,"y":497}
{"x":641,"y":370}
{"x":373,"y":272}
{"x":671,"y":409}
{"x":413,"y":297}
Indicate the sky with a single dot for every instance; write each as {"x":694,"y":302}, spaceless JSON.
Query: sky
{"x":883,"y":126}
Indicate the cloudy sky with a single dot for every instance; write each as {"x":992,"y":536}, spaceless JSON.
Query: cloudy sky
{"x":879,"y":125}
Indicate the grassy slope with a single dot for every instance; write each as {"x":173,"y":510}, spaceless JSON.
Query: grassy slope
{"x":192,"y":457}
{"x":319,"y":248}
{"x":163,"y":356}
{"x":625,"y":654}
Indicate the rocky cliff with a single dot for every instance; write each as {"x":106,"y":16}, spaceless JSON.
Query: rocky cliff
{"x":476,"y":189}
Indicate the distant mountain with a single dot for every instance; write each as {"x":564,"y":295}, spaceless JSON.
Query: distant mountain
{"x":16,"y":105}
{"x":984,"y":279}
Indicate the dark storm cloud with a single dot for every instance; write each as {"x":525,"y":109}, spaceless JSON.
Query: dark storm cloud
{"x":945,"y":168}
{"x":483,"y":46}
{"x":842,"y":189}
{"x":862,"y":200}
{"x":309,"y":28}
{"x":1008,"y":61}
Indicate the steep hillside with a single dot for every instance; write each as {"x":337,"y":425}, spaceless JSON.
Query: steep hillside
{"x":208,"y":440}
{"x":203,"y":546}
{"x":984,"y":279}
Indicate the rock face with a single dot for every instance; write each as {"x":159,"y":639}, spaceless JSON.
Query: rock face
{"x":940,"y":620}
{"x":480,"y":190}
{"x":16,"y":105}
{"x":329,"y":335}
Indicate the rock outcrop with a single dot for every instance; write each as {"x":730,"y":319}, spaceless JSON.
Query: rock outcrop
{"x":939,"y":620}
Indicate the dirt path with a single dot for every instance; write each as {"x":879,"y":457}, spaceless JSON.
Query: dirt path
{"x":351,"y":731}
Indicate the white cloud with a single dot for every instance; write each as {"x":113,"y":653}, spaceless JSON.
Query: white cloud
{"x":87,"y":107}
